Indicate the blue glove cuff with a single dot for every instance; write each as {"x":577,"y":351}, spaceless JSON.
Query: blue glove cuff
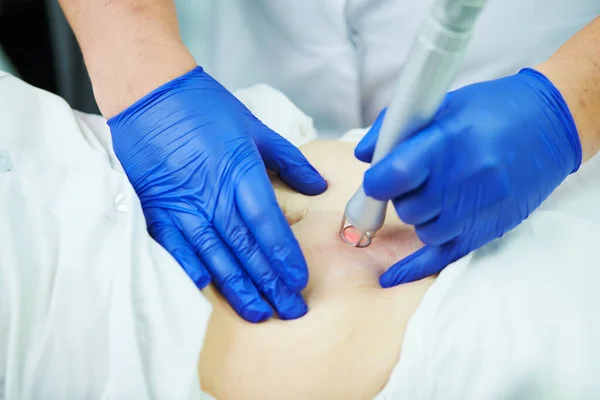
{"x":141,"y":103}
{"x":561,"y":110}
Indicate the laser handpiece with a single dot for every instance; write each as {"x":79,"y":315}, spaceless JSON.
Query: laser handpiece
{"x":426,"y":76}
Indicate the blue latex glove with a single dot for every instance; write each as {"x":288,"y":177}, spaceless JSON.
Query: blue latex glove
{"x":192,"y":152}
{"x":494,"y":151}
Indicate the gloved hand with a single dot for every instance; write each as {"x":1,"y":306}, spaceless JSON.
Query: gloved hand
{"x":494,"y":151}
{"x":193,"y":152}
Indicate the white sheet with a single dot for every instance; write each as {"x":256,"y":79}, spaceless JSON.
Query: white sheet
{"x":90,"y":306}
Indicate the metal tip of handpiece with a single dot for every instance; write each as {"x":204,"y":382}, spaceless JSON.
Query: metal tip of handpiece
{"x":360,"y":241}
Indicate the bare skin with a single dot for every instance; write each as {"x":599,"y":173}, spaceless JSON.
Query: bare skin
{"x":575,"y":70}
{"x":130,"y":47}
{"x":348,"y":343}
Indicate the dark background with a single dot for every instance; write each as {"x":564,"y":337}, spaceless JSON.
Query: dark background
{"x":36,"y":37}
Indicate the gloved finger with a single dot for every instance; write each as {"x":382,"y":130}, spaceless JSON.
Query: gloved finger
{"x":481,"y":192}
{"x":406,"y":167}
{"x":440,"y":230}
{"x":227,"y":274}
{"x":259,"y":209}
{"x":419,"y":207}
{"x":365,"y":148}
{"x":288,"y":304}
{"x":427,"y":261}
{"x":282,"y":157}
{"x":171,"y":238}
{"x":463,"y":205}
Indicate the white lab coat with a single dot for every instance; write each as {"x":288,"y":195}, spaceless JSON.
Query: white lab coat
{"x":338,"y":59}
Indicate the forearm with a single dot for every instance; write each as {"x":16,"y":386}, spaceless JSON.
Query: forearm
{"x":575,"y":71}
{"x":130,"y":47}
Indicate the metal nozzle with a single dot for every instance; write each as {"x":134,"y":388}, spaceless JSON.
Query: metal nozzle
{"x":358,"y":238}
{"x":363,"y":217}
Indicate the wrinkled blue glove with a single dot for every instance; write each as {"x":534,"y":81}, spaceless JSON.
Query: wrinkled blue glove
{"x":193,"y":152}
{"x":494,"y":151}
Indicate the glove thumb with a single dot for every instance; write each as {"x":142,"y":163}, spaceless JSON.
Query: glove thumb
{"x":365,"y":148}
{"x":285,"y":159}
{"x":427,"y":261}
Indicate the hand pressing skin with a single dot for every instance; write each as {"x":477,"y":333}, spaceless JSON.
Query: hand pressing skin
{"x":493,"y":153}
{"x":196,"y":157}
